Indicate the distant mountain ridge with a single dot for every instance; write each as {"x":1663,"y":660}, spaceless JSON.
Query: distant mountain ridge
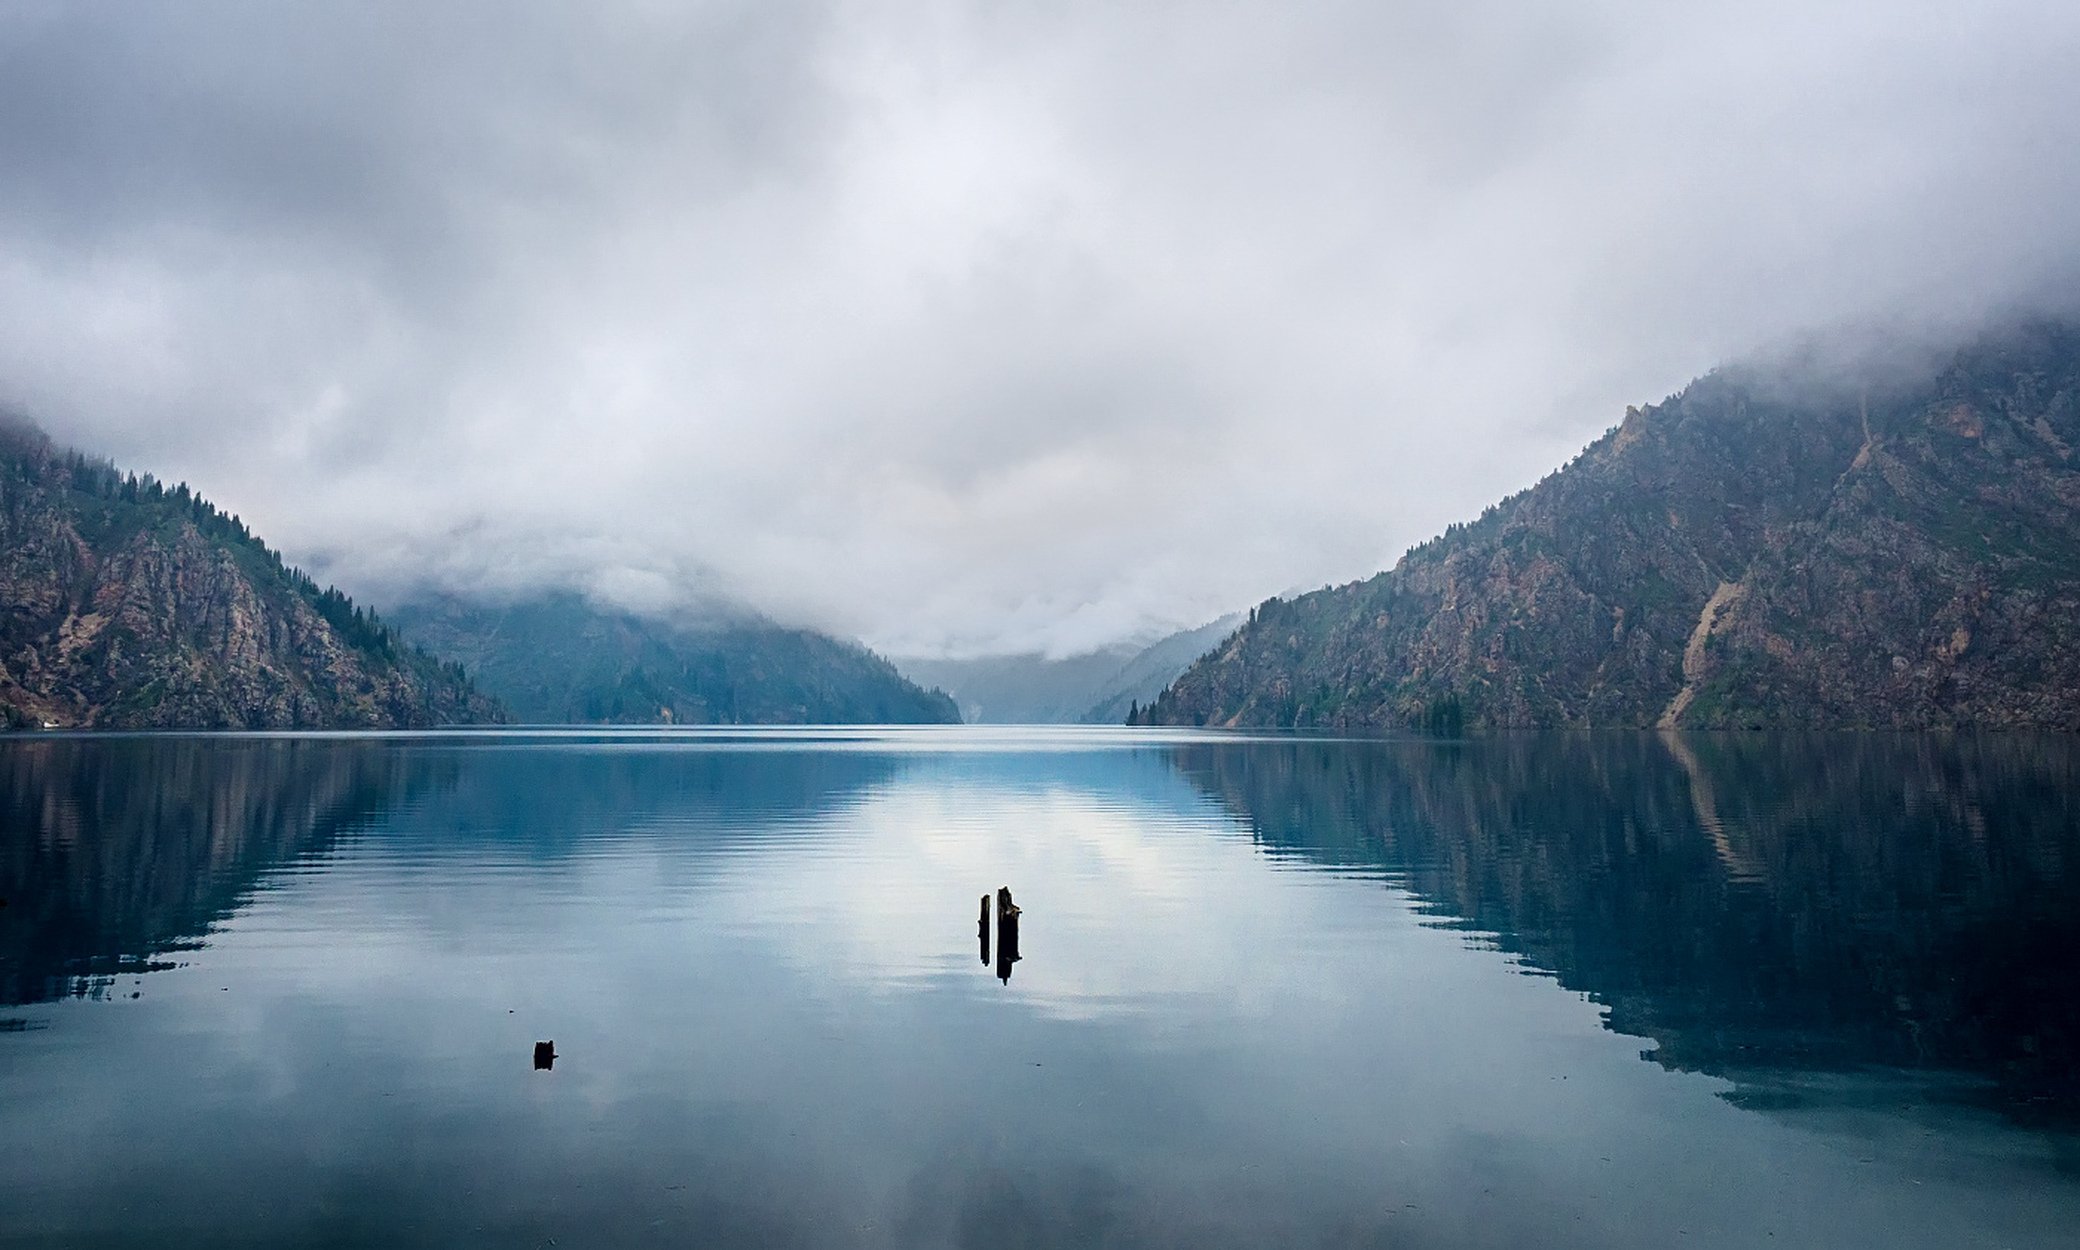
{"x":1770,"y":547}
{"x":128,"y":604}
{"x":556,"y":658}
{"x":1097,"y":687}
{"x":1025,"y":689}
{"x":1144,"y":676}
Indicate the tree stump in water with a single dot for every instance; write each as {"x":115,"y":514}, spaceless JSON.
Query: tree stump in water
{"x":1007,"y":934}
{"x":982,"y":929}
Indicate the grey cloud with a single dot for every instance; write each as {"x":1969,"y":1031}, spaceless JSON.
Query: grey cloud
{"x":968,"y":327}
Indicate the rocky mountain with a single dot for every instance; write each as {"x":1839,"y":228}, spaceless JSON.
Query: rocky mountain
{"x":125,"y":603}
{"x":1096,"y":687}
{"x":558,"y":659}
{"x":1799,"y":542}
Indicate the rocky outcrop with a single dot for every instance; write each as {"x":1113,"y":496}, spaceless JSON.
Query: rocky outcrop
{"x":126,"y":604}
{"x":1777,"y":545}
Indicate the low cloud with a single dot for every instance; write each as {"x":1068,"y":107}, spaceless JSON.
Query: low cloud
{"x":968,"y":327}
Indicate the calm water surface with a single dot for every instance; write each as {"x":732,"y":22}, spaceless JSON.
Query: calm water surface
{"x":1569,"y":991}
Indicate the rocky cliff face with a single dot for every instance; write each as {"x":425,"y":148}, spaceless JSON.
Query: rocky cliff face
{"x":1774,"y":546}
{"x":124,"y":604}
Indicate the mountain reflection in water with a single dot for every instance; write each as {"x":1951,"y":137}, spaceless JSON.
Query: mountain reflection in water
{"x":1761,"y":906}
{"x":279,"y":990}
{"x":119,"y":854}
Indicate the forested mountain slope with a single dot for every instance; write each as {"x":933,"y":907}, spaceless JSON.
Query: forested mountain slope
{"x":128,"y":604}
{"x":557,"y":659}
{"x":1776,"y":545}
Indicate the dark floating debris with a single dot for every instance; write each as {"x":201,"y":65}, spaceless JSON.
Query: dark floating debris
{"x":544,"y":1056}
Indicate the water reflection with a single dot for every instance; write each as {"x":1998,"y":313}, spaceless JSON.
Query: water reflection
{"x":1764,"y":907}
{"x":1270,"y":1009}
{"x":117,"y":855}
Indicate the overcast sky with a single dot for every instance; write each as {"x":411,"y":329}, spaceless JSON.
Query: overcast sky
{"x":967,"y":327}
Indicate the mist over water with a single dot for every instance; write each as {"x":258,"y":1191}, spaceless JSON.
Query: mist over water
{"x":1576,"y":990}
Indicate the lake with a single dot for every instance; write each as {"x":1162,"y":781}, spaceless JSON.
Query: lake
{"x":1576,"y":990}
